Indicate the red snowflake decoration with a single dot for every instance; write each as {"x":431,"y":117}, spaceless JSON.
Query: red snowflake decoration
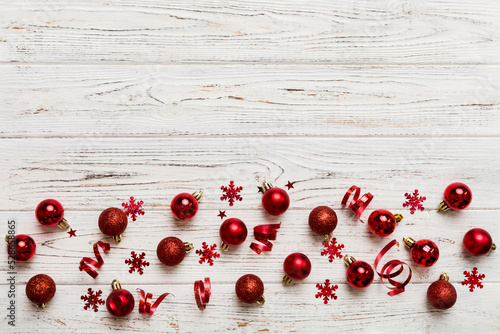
{"x":231,"y":193}
{"x":332,"y":249}
{"x":208,"y":254}
{"x":133,"y":208}
{"x":136,"y":263}
{"x":472,"y":279}
{"x":326,"y":291}
{"x":413,"y":201}
{"x":289,"y":185}
{"x":92,"y":300}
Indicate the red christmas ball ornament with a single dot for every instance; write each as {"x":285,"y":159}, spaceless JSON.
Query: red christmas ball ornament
{"x":50,"y":212}
{"x":359,"y":274}
{"x":171,"y":250}
{"x":478,"y":242}
{"x":442,"y":294}
{"x":185,"y":206}
{"x":457,"y":196}
{"x":323,"y":220}
{"x":20,"y":248}
{"x":233,"y":232}
{"x":297,"y":267}
{"x":40,"y":289}
{"x":382,"y":222}
{"x":423,"y":252}
{"x":120,"y":302}
{"x":250,"y":289}
{"x":113,"y":222}
{"x":275,"y":200}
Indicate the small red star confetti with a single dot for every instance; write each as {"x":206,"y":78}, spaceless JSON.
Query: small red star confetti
{"x":133,"y":208}
{"x":413,"y":201}
{"x":72,"y":233}
{"x":231,"y":193}
{"x":92,"y":300}
{"x":261,"y":190}
{"x":472,"y":279}
{"x":332,"y":250}
{"x":326,"y":291}
{"x":289,"y":185}
{"x":222,"y":214}
{"x":208,"y":254}
{"x":136,"y":263}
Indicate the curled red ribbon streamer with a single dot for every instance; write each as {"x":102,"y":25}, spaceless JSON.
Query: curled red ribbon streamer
{"x":86,"y":261}
{"x":145,"y":302}
{"x":387,"y":271}
{"x":357,"y":205}
{"x":202,"y":292}
{"x":264,"y":233}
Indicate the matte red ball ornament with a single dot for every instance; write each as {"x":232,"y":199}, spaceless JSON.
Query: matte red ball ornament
{"x":120,"y":302}
{"x":233,"y":232}
{"x":20,"y":248}
{"x":50,"y":212}
{"x":250,"y":289}
{"x":185,"y":206}
{"x":382,"y":222}
{"x":457,"y":196}
{"x":323,"y":220}
{"x":478,"y":242}
{"x":359,"y":274}
{"x":171,"y":251}
{"x":275,"y":200}
{"x":297,"y":267}
{"x":423,"y":252}
{"x":113,"y":222}
{"x":40,"y":289}
{"x":442,"y":294}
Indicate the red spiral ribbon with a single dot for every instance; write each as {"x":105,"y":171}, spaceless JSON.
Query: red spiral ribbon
{"x":264,"y":233}
{"x":145,"y":302}
{"x":202,"y":293}
{"x":388,"y":271}
{"x":86,"y":262}
{"x":357,"y":205}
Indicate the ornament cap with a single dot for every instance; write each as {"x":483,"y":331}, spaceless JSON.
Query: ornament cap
{"x":286,"y":280}
{"x":63,"y":224}
{"x":117,"y":238}
{"x":444,"y":277}
{"x":41,"y":306}
{"x":409,"y":242}
{"x":261,"y":300}
{"x":197,"y":195}
{"x":398,"y":217}
{"x":189,"y":246}
{"x":223,"y":246}
{"x":493,"y":247}
{"x":443,"y":206}
{"x":266,"y":186}
{"x":348,"y":260}
{"x":115,"y":285}
{"x":328,"y":237}
{"x":7,"y":238}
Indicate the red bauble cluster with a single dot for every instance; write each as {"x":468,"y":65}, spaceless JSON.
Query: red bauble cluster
{"x":171,"y":251}
{"x":233,"y":232}
{"x":359,"y":274}
{"x":382,"y":222}
{"x":442,"y":294}
{"x":120,"y":302}
{"x":275,"y":200}
{"x":297,"y":267}
{"x":50,"y":213}
{"x":113,"y":222}
{"x":21,"y":248}
{"x":250,"y":289}
{"x":40,"y":289}
{"x":185,"y":206}
{"x":478,"y":242}
{"x":423,"y":252}
{"x":323,"y":220}
{"x":457,"y":196}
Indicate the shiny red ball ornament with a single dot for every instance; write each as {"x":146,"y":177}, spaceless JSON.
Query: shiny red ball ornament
{"x":478,"y":242}
{"x":323,"y":220}
{"x":171,"y":251}
{"x":359,"y":274}
{"x":423,"y":252}
{"x":50,"y":212}
{"x":382,"y":222}
{"x":113,"y":222}
{"x":442,"y":294}
{"x":250,"y":289}
{"x":297,"y":267}
{"x":233,"y":232}
{"x":40,"y":289}
{"x":20,"y":248}
{"x":120,"y":302}
{"x":457,"y":196}
{"x":185,"y":206}
{"x":275,"y":200}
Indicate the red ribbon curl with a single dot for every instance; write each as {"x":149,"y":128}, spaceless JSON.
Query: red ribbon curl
{"x":387,"y":271}
{"x":202,"y":292}
{"x":145,"y":302}
{"x":86,"y":261}
{"x":264,"y":233}
{"x":357,"y":205}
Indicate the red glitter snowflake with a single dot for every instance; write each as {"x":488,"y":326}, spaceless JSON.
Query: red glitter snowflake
{"x":413,"y":201}
{"x":472,"y":279}
{"x":92,"y":300}
{"x":137,"y":262}
{"x":326,"y":291}
{"x":332,"y":249}
{"x":133,"y":208}
{"x":231,"y":193}
{"x":208,"y":254}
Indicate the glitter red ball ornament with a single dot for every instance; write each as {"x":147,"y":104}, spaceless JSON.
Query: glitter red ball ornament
{"x":250,"y":289}
{"x":457,"y":196}
{"x":20,"y":248}
{"x":359,"y":274}
{"x":40,"y":289}
{"x":50,"y":212}
{"x":382,"y":222}
{"x":297,"y":267}
{"x":233,"y":232}
{"x":442,"y":294}
{"x":185,"y":206}
{"x":478,"y":242}
{"x":171,"y":251}
{"x":275,"y":200}
{"x":120,"y":302}
{"x":423,"y":252}
{"x":113,"y":222}
{"x":323,"y":220}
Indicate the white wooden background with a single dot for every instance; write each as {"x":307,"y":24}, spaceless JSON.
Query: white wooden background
{"x":100,"y":101}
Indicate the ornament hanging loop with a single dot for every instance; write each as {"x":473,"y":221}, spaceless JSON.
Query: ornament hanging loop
{"x":444,"y":276}
{"x":189,"y":246}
